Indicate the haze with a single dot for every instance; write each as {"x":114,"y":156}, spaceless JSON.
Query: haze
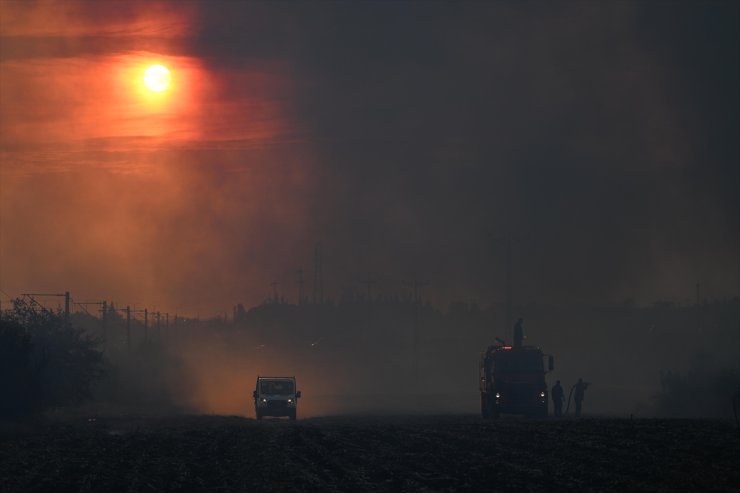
{"x":409,"y":140}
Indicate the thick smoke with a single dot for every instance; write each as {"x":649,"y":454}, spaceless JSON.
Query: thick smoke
{"x":588,"y":150}
{"x":392,"y":356}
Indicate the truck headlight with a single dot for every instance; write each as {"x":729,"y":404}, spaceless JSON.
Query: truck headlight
{"x":542,"y":394}
{"x":498,"y":396}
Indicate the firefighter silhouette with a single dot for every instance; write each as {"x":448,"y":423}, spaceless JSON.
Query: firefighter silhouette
{"x":518,"y":333}
{"x":557,"y":398}
{"x":580,"y":389}
{"x":736,"y":407}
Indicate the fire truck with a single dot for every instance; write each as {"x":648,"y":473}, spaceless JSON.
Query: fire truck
{"x":512,"y":379}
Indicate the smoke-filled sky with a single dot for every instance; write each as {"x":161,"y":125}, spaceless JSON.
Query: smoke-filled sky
{"x":409,"y":139}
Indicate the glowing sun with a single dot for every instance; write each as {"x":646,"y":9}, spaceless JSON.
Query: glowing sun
{"x":157,"y":78}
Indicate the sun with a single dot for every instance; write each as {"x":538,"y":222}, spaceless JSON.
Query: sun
{"x":157,"y":78}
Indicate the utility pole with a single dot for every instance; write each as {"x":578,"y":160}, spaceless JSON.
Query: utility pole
{"x":65,"y":295}
{"x":104,"y":305}
{"x":508,"y":241}
{"x":159,"y":331}
{"x":416,"y":285}
{"x":315,"y":292}
{"x":146,"y":324}
{"x":129,"y":311}
{"x":508,"y":282}
{"x":300,"y":286}
{"x":104,"y":323}
{"x":318,"y":275}
{"x":368,"y":283}
{"x":128,"y":328}
{"x":698,"y":307}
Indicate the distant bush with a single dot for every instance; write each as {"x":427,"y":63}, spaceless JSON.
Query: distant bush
{"x":150,"y":379}
{"x":705,"y":391}
{"x":44,"y":362}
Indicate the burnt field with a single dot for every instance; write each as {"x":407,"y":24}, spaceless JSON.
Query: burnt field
{"x":446,"y":453}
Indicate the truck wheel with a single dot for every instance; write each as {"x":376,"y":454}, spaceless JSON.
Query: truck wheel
{"x":292,"y":415}
{"x":537,"y":412}
{"x":259,"y":416}
{"x":484,"y":409}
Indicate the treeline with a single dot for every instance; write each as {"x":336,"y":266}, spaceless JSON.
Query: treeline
{"x":49,"y":360}
{"x":678,"y":360}
{"x":661,"y":359}
{"x":45,"y":362}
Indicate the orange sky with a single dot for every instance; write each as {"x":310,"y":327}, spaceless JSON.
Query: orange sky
{"x":112,"y":191}
{"x":407,"y":138}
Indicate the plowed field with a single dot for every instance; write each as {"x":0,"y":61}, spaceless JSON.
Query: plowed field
{"x":409,"y":453}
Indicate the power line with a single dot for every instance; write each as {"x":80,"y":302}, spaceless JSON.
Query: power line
{"x":300,"y":286}
{"x":416,"y":285}
{"x":65,"y":295}
{"x":508,"y":239}
{"x":318,"y":275}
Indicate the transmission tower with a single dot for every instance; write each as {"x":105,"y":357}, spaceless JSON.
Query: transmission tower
{"x":416,"y":285}
{"x":65,"y":295}
{"x":300,"y":286}
{"x":318,"y":275}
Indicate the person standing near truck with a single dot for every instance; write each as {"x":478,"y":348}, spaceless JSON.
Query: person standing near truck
{"x":557,"y":399}
{"x":736,"y":406}
{"x":581,"y":387}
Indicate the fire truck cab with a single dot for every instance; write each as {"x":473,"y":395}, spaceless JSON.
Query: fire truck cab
{"x":512,"y":381}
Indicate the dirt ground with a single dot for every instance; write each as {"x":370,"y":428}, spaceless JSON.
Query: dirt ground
{"x":406,"y":453}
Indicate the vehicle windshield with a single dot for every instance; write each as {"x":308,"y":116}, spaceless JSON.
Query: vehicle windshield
{"x":272,"y":387}
{"x":518,"y":362}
